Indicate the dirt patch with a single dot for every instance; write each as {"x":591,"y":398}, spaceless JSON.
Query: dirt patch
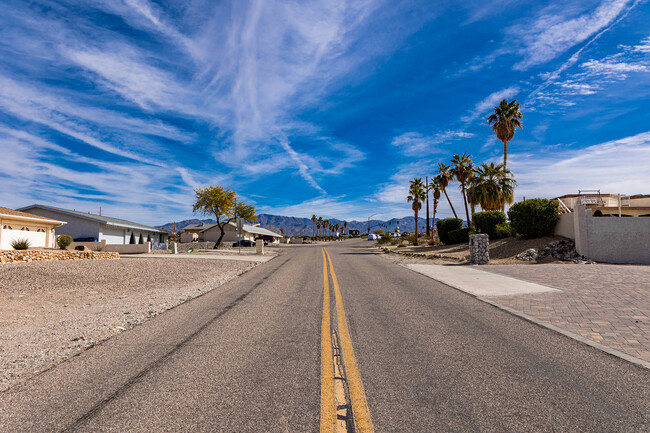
{"x":502,"y":251}
{"x":50,"y":311}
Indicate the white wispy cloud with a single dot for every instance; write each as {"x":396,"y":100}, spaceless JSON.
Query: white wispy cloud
{"x":616,"y":166}
{"x":592,"y":76}
{"x":415,"y":143}
{"x":552,"y":34}
{"x":486,"y":105}
{"x":612,"y":67}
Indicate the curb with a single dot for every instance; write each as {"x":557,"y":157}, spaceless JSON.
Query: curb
{"x":541,"y":323}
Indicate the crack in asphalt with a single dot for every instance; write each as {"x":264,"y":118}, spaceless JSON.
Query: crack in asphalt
{"x":158,"y":362}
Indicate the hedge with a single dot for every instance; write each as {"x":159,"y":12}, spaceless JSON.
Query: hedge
{"x":446,"y":225}
{"x":487,"y":222}
{"x":535,"y":217}
{"x":459,"y":236}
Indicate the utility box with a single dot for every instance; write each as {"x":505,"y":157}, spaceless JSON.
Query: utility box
{"x":259,"y":247}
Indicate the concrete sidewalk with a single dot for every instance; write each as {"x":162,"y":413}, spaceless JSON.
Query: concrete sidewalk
{"x":603,"y":306}
{"x":477,"y":282}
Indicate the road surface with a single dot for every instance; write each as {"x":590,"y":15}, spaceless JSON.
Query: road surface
{"x":307,"y":343}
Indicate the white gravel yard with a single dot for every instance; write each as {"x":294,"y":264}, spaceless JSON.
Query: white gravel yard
{"x":50,"y":311}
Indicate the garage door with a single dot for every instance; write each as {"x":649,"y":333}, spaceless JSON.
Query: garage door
{"x":111,"y":235}
{"x":37,"y":236}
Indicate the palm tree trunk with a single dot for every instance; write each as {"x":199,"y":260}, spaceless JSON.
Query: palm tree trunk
{"x":416,"y":228}
{"x":450,"y":205}
{"x":469,"y":222}
{"x":505,"y":154}
{"x":435,"y":208}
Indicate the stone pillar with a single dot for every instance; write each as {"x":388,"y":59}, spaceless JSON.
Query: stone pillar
{"x":174,"y":248}
{"x":479,"y":253}
{"x":259,"y":247}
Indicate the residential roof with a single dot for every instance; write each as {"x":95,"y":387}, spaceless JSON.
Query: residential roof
{"x":110,"y":221}
{"x":247,"y":228}
{"x":4,"y":211}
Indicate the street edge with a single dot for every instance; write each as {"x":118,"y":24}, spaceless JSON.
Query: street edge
{"x":543,"y":324}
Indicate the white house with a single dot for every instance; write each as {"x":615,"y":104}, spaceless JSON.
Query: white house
{"x":96,"y":228}
{"x":38,"y":230}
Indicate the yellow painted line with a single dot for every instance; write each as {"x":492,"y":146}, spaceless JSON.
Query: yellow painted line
{"x":327,"y":400}
{"x":362,"y":420}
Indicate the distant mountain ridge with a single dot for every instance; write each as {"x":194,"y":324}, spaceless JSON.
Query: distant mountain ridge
{"x":304,"y":226}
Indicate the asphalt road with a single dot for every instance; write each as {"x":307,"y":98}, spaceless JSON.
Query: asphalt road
{"x":247,"y":358}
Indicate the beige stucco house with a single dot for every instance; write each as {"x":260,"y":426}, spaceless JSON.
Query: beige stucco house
{"x":601,"y":232}
{"x":211,"y":233}
{"x":38,"y":230}
{"x":608,"y":204}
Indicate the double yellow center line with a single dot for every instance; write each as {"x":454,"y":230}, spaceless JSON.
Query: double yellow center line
{"x":328,"y":417}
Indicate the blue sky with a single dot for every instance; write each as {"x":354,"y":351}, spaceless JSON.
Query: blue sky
{"x":325,"y":107}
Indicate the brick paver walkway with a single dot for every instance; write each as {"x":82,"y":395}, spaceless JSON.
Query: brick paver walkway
{"x":609,"y":304}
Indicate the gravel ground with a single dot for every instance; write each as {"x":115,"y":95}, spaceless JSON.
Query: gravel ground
{"x":50,"y":311}
{"x":502,"y":251}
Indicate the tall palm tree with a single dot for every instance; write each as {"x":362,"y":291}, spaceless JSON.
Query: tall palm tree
{"x":463,"y":169}
{"x":320,"y":224}
{"x":345,"y":226}
{"x":336,"y":229}
{"x":326,"y":227}
{"x":417,"y":195}
{"x":445,"y":176}
{"x":435,"y":187}
{"x":493,"y":186}
{"x":504,"y":121}
{"x":313,"y":221}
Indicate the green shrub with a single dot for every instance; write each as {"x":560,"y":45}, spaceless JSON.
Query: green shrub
{"x":458,"y":236}
{"x":504,"y":230}
{"x":394,"y":241}
{"x":487,"y":222}
{"x":20,"y":244}
{"x":385,"y":238}
{"x":378,"y":231}
{"x":535,"y":217}
{"x":63,"y":241}
{"x":402,"y":245}
{"x":446,"y":225}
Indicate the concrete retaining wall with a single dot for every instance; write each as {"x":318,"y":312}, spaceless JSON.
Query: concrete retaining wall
{"x":612,"y":239}
{"x":93,"y":246}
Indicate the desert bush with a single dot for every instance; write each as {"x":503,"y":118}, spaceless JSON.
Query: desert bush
{"x":63,"y":241}
{"x":487,"y":222}
{"x":535,"y":217}
{"x":504,"y":230}
{"x":394,"y":242}
{"x":402,"y":245}
{"x":446,"y":225}
{"x":20,"y":244}
{"x":458,"y":236}
{"x":385,"y":238}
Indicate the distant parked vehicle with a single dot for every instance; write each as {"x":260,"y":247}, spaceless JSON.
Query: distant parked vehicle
{"x":243,"y":244}
{"x":85,"y":239}
{"x":373,"y":237}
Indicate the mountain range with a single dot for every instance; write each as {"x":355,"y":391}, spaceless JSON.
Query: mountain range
{"x":304,"y":226}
